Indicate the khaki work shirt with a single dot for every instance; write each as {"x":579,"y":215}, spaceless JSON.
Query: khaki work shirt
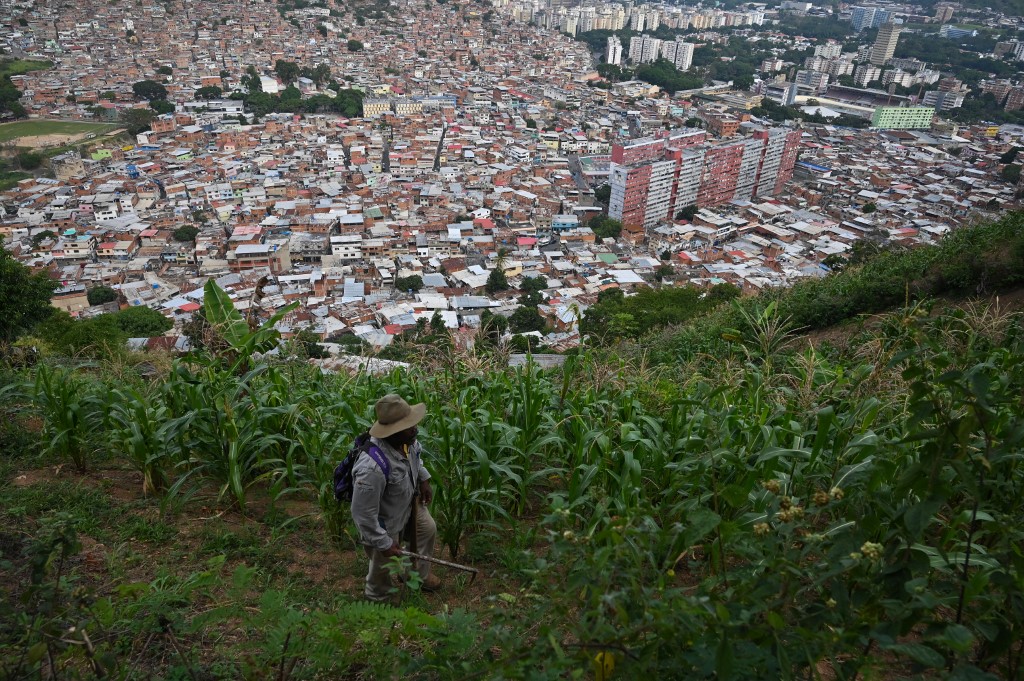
{"x":381,"y":508}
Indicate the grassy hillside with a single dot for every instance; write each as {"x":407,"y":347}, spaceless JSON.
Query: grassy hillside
{"x":759,"y":512}
{"x":981,"y":260}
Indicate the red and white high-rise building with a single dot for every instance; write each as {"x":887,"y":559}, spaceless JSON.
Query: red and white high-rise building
{"x":653,"y":178}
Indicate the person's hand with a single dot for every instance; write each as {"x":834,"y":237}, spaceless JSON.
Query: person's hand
{"x":426,"y":494}
{"x":393,"y":551}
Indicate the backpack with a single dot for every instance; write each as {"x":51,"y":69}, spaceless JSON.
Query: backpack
{"x":343,"y":482}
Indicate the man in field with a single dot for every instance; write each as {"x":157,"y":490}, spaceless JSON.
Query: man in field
{"x":385,"y":505}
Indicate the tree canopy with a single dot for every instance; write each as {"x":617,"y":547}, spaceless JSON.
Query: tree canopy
{"x":101,"y":294}
{"x":161,"y":106}
{"x":186,"y":233}
{"x":137,"y":120}
{"x":24,"y":297}
{"x":287,"y":71}
{"x":496,"y":281}
{"x":605,"y":227}
{"x":142,"y":322}
{"x":615,"y":316}
{"x":149,"y":89}
{"x":666,"y":76}
{"x":209,"y":92}
{"x":410,"y":283}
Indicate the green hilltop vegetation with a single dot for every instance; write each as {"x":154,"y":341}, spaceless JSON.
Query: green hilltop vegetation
{"x":716,"y":499}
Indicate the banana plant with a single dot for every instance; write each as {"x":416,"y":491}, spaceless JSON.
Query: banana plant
{"x":242,"y":340}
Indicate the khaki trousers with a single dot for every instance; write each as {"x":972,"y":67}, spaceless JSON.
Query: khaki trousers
{"x":378,"y":581}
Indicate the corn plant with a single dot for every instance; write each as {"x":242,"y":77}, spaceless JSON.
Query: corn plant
{"x":143,"y":431}
{"x":70,"y":409}
{"x":219,"y":422}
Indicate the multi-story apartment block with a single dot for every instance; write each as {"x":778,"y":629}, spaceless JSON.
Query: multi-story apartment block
{"x":613,"y":52}
{"x":943,"y":100}
{"x":868,"y":17}
{"x":830,"y":50}
{"x":815,"y":82}
{"x":644,"y":49}
{"x":865,"y":74}
{"x":683,"y":57}
{"x":885,"y":44}
{"x":903,"y":117}
{"x":1015,"y":99}
{"x":652,"y":179}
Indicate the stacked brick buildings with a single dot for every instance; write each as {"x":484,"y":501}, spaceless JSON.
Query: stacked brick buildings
{"x":653,"y":178}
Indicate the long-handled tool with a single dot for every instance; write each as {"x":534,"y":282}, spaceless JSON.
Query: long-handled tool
{"x":438,"y":561}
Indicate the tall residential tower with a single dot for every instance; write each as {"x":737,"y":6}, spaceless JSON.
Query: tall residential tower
{"x":613,"y":53}
{"x":885,"y":44}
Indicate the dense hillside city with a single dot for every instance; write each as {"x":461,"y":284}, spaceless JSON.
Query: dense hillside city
{"x":383,"y":169}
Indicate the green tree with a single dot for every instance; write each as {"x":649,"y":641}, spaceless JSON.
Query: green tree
{"x":496,"y":281}
{"x":137,"y":120}
{"x":354,"y":45}
{"x":149,"y":89}
{"x":525,"y":319}
{"x":411,"y":283}
{"x":1010,"y":173}
{"x":869,"y":207}
{"x":165,"y":70}
{"x":666,"y":76}
{"x":605,"y":227}
{"x":493,"y":326}
{"x":101,"y":294}
{"x":41,"y":237}
{"x":24,"y":297}
{"x":251,"y":80}
{"x":287,"y":71}
{"x":1009,"y":156}
{"x":9,"y":96}
{"x":687,"y":213}
{"x":29,"y":160}
{"x":209,"y":92}
{"x":623,"y":325}
{"x":603,"y":193}
{"x":161,"y":106}
{"x":96,"y":337}
{"x":142,"y":322}
{"x":437,"y":325}
{"x":309,"y":341}
{"x":186,"y":233}
{"x":744,"y":82}
{"x":533,"y":284}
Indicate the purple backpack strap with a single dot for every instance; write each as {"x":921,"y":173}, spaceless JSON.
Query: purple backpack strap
{"x":377,"y":455}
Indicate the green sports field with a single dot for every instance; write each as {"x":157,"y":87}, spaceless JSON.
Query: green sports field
{"x":10,"y":131}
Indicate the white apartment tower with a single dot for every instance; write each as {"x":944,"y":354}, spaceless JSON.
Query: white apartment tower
{"x":613,"y":53}
{"x":643,"y":49}
{"x":684,"y":55}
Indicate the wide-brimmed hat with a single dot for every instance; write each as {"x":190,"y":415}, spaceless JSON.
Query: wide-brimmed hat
{"x":395,"y":414}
